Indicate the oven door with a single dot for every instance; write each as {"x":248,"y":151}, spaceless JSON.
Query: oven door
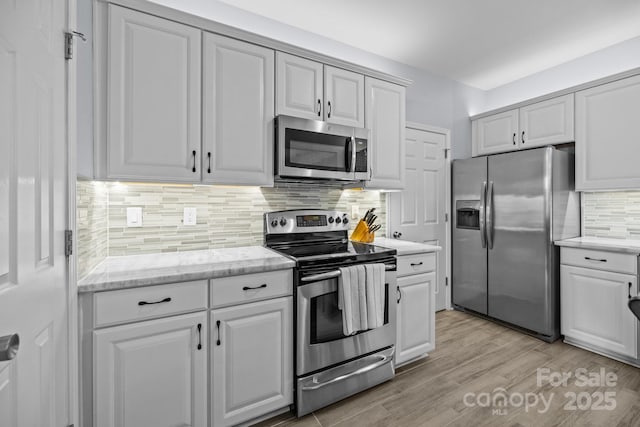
{"x":320,"y":340}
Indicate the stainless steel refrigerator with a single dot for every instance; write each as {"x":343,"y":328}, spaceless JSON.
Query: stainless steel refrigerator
{"x":508,"y":210}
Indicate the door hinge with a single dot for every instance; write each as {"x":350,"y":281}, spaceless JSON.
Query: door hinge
{"x":446,"y":153}
{"x":446,"y":217}
{"x":446,"y":282}
{"x":68,"y":42}
{"x":68,"y":243}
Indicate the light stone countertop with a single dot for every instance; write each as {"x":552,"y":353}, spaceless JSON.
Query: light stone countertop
{"x":626,"y":246}
{"x":121,"y":272}
{"x":405,"y":247}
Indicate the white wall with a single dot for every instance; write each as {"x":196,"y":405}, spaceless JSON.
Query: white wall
{"x":617,"y":58}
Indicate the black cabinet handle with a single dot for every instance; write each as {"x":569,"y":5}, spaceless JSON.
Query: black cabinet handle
{"x":595,"y":259}
{"x":319,"y":107}
{"x":399,"y":294}
{"x":630,"y":285}
{"x":167,"y":299}
{"x":523,"y":137}
{"x":249,"y":288}
{"x":218,"y":326}
{"x":514,"y":139}
{"x":199,"y":336}
{"x":194,"y":161}
{"x":413,"y":264}
{"x":209,"y":156}
{"x":329,"y":112}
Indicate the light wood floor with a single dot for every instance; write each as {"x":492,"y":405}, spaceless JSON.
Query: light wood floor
{"x":477,"y":356}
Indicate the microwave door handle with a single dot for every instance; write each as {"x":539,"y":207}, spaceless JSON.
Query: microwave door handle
{"x":348,"y":158}
{"x":353,"y":155}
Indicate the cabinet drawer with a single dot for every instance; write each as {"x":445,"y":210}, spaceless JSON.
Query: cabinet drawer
{"x":251,"y":287}
{"x":600,"y":260}
{"x":148,"y":302}
{"x":416,"y":264}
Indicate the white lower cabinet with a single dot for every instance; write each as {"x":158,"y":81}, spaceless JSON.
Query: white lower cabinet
{"x":594,"y":309}
{"x":152,"y":373}
{"x":252,"y":369}
{"x":415,"y":321}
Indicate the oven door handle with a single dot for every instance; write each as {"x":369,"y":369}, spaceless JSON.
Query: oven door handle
{"x":384,"y":359}
{"x":335,"y":273}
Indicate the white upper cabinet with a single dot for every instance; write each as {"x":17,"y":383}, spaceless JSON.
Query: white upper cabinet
{"x":238,"y":112}
{"x":535,"y":125}
{"x":547,"y":122}
{"x":299,"y":87}
{"x":311,"y":90}
{"x":608,"y":136}
{"x":495,"y":134}
{"x":344,"y":97}
{"x":385,"y":117}
{"x":153,"y":129}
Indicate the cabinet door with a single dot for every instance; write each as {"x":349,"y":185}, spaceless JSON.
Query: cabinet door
{"x":607,"y":135}
{"x":153,"y":99}
{"x":495,"y":134}
{"x":594,"y":309}
{"x":238,"y":112}
{"x":547,"y":122}
{"x":299,"y":87}
{"x":415,"y":316}
{"x":344,"y":97}
{"x":152,"y":374}
{"x":385,"y":117}
{"x":252,"y":369}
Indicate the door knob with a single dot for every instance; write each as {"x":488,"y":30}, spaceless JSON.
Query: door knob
{"x":397,"y":235}
{"x":9,"y":345}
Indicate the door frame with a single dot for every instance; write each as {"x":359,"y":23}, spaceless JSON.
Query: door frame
{"x":447,"y":196}
{"x":72,"y":278}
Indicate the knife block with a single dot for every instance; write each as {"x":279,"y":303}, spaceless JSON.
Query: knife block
{"x":362,"y":234}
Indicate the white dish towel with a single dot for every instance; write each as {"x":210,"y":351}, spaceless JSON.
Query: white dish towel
{"x":361,"y":297}
{"x":375,"y":294}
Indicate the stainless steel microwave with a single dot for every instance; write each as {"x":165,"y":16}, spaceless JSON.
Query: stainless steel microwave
{"x":308,"y":149}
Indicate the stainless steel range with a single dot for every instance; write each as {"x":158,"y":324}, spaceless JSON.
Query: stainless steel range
{"x":330,"y":366}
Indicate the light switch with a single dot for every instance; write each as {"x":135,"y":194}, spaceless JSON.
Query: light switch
{"x":190,"y":216}
{"x":355,"y":211}
{"x":134,"y":217}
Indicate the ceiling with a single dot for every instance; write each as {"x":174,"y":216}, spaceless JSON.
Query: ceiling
{"x":482,"y":43}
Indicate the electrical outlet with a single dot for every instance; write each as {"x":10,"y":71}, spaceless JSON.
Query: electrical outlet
{"x":134,"y":217}
{"x":190,"y":216}
{"x":355,"y":211}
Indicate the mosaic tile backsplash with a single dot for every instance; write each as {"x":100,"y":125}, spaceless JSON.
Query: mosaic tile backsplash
{"x":611,"y":214}
{"x":226,"y":216}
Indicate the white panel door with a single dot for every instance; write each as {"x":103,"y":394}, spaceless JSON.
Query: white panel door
{"x":385,"y":117}
{"x":34,"y":200}
{"x":547,"y":122}
{"x":238,"y":112}
{"x":416,"y":316}
{"x":343,"y":97}
{"x":594,"y":309}
{"x":245,"y":382}
{"x":299,"y":84}
{"x":153,"y":98}
{"x":152,"y":374}
{"x":495,"y":134}
{"x":607,"y":135}
{"x":418,"y":211}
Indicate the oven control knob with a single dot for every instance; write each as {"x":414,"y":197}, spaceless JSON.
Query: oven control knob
{"x":338,"y":220}
{"x":274,"y":222}
{"x":345,"y":220}
{"x":283,"y":221}
{"x":330,"y":220}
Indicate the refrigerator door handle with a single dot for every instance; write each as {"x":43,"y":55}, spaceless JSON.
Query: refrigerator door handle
{"x":489,"y":215}
{"x":483,"y":198}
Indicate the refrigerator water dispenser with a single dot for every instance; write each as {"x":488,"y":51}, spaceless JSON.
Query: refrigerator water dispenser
{"x":468,"y":214}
